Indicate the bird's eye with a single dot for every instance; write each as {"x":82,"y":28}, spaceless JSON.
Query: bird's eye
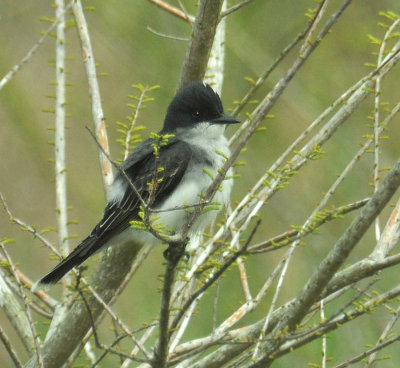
{"x":196,"y":114}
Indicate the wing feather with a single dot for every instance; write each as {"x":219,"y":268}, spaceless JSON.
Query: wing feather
{"x":173,"y":159}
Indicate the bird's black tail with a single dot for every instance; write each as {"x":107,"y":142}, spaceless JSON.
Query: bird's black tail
{"x":82,"y":252}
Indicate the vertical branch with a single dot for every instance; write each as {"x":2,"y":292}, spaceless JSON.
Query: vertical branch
{"x":173,"y":254}
{"x":378,"y":92}
{"x":215,"y":76}
{"x":324,"y":345}
{"x":94,"y":93}
{"x":205,"y":25}
{"x":215,"y":67}
{"x":59,"y":153}
{"x":136,"y":111}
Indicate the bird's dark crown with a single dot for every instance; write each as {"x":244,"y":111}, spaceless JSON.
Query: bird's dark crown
{"x":194,"y":103}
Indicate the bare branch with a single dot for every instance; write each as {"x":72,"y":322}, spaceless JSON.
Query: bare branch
{"x":292,"y":235}
{"x":173,"y":254}
{"x":384,"y":336}
{"x":60,"y":141}
{"x":216,"y":62}
{"x":94,"y":93}
{"x":339,"y":254}
{"x":15,"y":314}
{"x":215,"y":276}
{"x":36,"y":234}
{"x":108,"y":349}
{"x":133,"y":122}
{"x":369,"y":352}
{"x":261,"y":79}
{"x":172,"y":10}
{"x":11,"y":352}
{"x":390,"y":235}
{"x":35,"y":338}
{"x":235,"y":8}
{"x":164,"y":35}
{"x":31,"y":52}
{"x":251,"y":126}
{"x":198,"y":52}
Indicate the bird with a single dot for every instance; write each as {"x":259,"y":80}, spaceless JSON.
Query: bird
{"x":191,"y":150}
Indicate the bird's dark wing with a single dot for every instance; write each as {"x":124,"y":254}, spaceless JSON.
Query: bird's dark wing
{"x":141,"y":167}
{"x":167,"y":168}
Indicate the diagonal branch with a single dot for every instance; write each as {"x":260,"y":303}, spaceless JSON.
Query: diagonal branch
{"x":30,"y":53}
{"x":172,"y":10}
{"x":11,"y":352}
{"x":335,"y":258}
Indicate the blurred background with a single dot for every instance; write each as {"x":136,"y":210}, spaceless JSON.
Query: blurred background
{"x":128,"y":53}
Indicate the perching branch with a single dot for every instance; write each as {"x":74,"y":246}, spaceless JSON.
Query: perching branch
{"x":173,"y":254}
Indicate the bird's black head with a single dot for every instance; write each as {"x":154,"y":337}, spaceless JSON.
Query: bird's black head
{"x":195,"y":103}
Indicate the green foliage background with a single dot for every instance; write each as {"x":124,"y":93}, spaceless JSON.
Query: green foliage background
{"x":130,"y":54}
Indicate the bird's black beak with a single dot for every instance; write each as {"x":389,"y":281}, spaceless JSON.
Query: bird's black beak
{"x":226,"y":119}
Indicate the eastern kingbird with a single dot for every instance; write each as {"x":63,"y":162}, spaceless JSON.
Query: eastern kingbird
{"x":183,"y":164}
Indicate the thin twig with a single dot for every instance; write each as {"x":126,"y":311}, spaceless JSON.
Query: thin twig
{"x":261,"y":79}
{"x":11,"y":352}
{"x":384,"y":336}
{"x":172,"y":10}
{"x":216,"y":275}
{"x":164,"y":35}
{"x":305,"y":227}
{"x":27,"y":283}
{"x":337,"y":256}
{"x":10,"y":282}
{"x":95,"y":335}
{"x":43,"y":295}
{"x":352,"y":96}
{"x":125,"y":328}
{"x":133,"y":122}
{"x":234,"y":8}
{"x":292,"y":235}
{"x":31,"y":52}
{"x":369,"y":352}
